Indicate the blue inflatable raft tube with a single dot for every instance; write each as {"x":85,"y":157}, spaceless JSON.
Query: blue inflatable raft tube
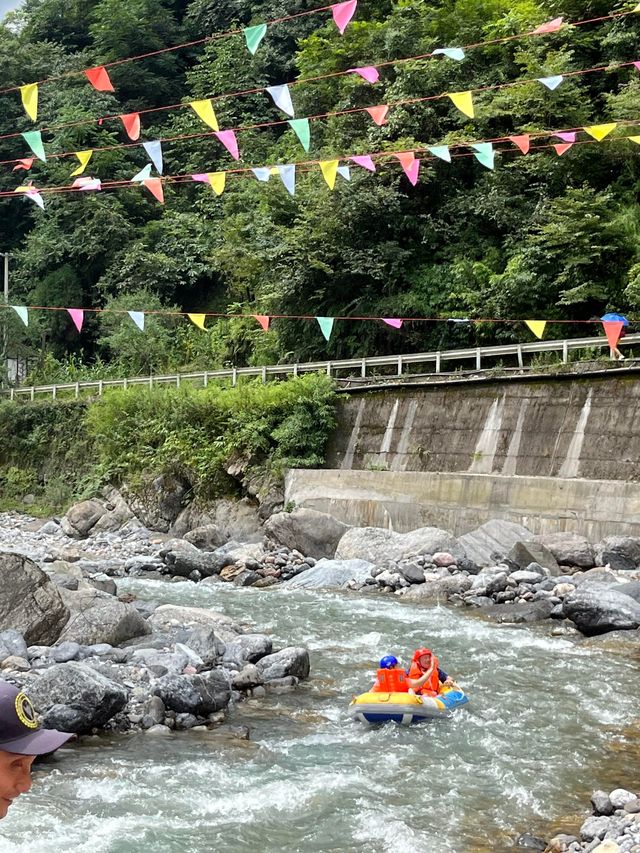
{"x":405,"y":708}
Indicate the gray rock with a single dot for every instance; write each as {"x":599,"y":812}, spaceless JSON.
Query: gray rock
{"x":204,"y":642}
{"x":16,"y":663}
{"x":281,"y":685}
{"x":30,"y":602}
{"x":157,"y":502}
{"x":248,"y":648}
{"x":206,"y":538}
{"x":65,"y":652}
{"x":632,"y":589}
{"x":153,"y":711}
{"x":526,"y":841}
{"x":493,"y":537}
{"x":598,"y":609}
{"x":73,"y":697}
{"x":289,"y":661}
{"x":50,"y":528}
{"x":163,"y":731}
{"x":632,"y":806}
{"x":601,"y":803}
{"x":440,"y":589}
{"x":377,"y":545}
{"x":527,"y":576}
{"x":517,"y":614}
{"x":498,"y":583}
{"x":620,"y":797}
{"x":622,"y":553}
{"x":97,"y":617}
{"x":182,"y":558}
{"x":411,"y":572}
{"x":14,"y":643}
{"x":170,"y":617}
{"x":248,"y":677}
{"x":246,"y":578}
{"x":195,"y":694}
{"x":82,"y":517}
{"x":594,"y":827}
{"x":569,"y":549}
{"x":595,"y":577}
{"x":524,"y":553}
{"x":314,"y":534}
{"x":330,"y":574}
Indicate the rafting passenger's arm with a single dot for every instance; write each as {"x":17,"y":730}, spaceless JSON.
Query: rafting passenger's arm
{"x":418,"y":682}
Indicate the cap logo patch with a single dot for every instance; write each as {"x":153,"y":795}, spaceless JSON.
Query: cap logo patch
{"x":25,"y":711}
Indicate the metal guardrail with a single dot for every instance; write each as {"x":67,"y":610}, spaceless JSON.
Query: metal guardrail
{"x":361,"y":366}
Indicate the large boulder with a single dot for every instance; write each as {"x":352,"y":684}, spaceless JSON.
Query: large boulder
{"x":82,"y":517}
{"x":169,"y":618}
{"x":248,"y":648}
{"x":314,"y":534}
{"x":493,"y":540}
{"x":118,"y":513}
{"x":439,"y":590}
{"x":182,"y":558}
{"x":378,"y":545}
{"x":200,"y":695}
{"x":29,"y":601}
{"x":97,"y":617}
{"x":518,"y":614}
{"x":289,"y":661}
{"x":158,"y":501}
{"x":597,"y":609}
{"x":73,"y":697}
{"x":622,"y":553}
{"x":206,"y":538}
{"x":524,"y":553}
{"x":236,"y":520}
{"x":330,"y":574}
{"x":569,"y":549}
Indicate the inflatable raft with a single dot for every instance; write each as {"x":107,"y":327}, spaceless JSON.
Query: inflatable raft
{"x":405,"y":708}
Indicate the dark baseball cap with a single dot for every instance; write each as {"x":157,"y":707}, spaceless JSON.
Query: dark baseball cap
{"x":20,"y":731}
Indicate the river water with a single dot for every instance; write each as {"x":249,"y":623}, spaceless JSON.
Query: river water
{"x":544,"y":727}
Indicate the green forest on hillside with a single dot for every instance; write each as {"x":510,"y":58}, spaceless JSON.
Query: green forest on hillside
{"x":543,"y":236}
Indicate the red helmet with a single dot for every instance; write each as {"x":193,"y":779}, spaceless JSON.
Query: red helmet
{"x":419,"y":653}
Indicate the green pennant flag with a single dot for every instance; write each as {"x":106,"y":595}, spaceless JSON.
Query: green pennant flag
{"x":326,"y":325}
{"x":253,"y":36}
{"x":33,"y":138}
{"x":302,"y":130}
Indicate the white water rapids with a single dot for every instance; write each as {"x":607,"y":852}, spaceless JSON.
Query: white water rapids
{"x":544,"y":727}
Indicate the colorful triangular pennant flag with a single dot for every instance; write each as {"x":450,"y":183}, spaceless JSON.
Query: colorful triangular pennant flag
{"x":29,"y":95}
{"x":365,"y":161}
{"x":326,"y":326}
{"x":456,"y":53}
{"x":33,"y":138}
{"x":264,"y":321}
{"x":204,"y":110}
{"x":523,"y":142}
{"x":330,"y":171}
{"x":550,"y":27}
{"x":379,"y":114}
{"x":143,"y":174}
{"x":154,"y":185}
{"x":262,"y":173}
{"x":368,"y":72}
{"x":484,"y":153}
{"x":635,"y":139}
{"x":551,"y":83}
{"x":99,"y":79}
{"x":22,"y":312}
{"x":131,"y":122}
{"x":218,"y":181}
{"x":566,"y":136}
{"x":87,"y":184}
{"x":410,"y":165}
{"x":302,"y":130}
{"x":198,"y":320}
{"x":228,"y":139}
{"x":441,"y":151}
{"x":138,"y":318}
{"x":282,"y":98}
{"x":83,"y":159}
{"x":343,"y":13}
{"x":253,"y":36}
{"x":464,"y":102}
{"x":599,"y":131}
{"x":288,"y":176}
{"x":391,"y":321}
{"x":77,"y":315}
{"x":537,"y":327}
{"x":344,"y":172}
{"x":25,"y":163}
{"x":154,"y":151}
{"x":562,"y":148}
{"x":613,"y":330}
{"x":31,"y":192}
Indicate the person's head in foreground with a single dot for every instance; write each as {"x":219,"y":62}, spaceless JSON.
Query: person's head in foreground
{"x":424,"y":658}
{"x":21,"y":740}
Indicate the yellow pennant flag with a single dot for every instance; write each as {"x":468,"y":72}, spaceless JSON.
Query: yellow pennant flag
{"x":599,"y":131}
{"x":204,"y":110}
{"x":29,"y":96}
{"x":83,"y":157}
{"x":218,"y":181}
{"x":537,"y":327}
{"x":330,"y":171}
{"x":464,"y":102}
{"x":635,"y":139}
{"x":198,"y":320}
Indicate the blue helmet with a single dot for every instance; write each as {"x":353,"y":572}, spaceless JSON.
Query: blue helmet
{"x":388,"y":662}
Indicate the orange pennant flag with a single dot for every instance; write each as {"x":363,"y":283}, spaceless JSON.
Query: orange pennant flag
{"x":613,"y":330}
{"x":379,"y":114}
{"x":131,"y":123}
{"x":154,"y":185}
{"x":523,"y":142}
{"x":99,"y":79}
{"x":264,"y":321}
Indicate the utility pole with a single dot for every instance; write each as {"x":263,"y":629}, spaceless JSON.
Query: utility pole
{"x":5,"y":322}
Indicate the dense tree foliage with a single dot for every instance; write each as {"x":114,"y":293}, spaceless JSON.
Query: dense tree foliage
{"x":542,"y":236}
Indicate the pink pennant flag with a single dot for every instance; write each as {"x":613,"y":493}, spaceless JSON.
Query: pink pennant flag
{"x":131,"y":123}
{"x":369,"y":73}
{"x":342,"y":14}
{"x":99,"y":79}
{"x":637,"y":65}
{"x":549,"y":27}
{"x":397,"y":324}
{"x":566,"y":136}
{"x":379,"y":114}
{"x":154,"y":185}
{"x":263,"y":320}
{"x":228,"y":139}
{"x":202,"y":178}
{"x":523,"y":142}
{"x":410,"y":165}
{"x":563,"y":148}
{"x":25,"y":164}
{"x":365,"y":161}
{"x":77,"y":315}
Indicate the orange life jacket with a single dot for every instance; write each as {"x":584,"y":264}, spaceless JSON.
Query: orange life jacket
{"x":390,"y":681}
{"x":431,"y":687}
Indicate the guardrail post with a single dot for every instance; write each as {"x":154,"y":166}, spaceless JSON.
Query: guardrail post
{"x":565,"y":352}
{"x":125,"y":384}
{"x":438,"y":362}
{"x":33,"y":394}
{"x":151,"y":383}
{"x":100,"y":387}
{"x":264,"y":375}
{"x":329,"y":366}
{"x":178,"y":380}
{"x":295,"y":371}
{"x":54,"y":392}
{"x":363,"y":368}
{"x":206,"y":379}
{"x":234,"y":377}
{"x":13,"y":394}
{"x":478,"y":359}
{"x":400,"y":365}
{"x":520,"y":359}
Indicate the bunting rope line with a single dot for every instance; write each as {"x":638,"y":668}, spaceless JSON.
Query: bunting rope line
{"x":301,"y":81}
{"x":338,"y":113}
{"x":245,"y":172}
{"x":234,"y":32}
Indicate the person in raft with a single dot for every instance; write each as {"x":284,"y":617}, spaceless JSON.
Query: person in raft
{"x":21,"y":740}
{"x":423,"y":677}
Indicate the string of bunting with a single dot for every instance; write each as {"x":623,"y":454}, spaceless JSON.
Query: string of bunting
{"x":612,"y":328}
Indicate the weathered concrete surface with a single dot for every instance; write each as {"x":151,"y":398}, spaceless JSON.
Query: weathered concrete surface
{"x":560,"y":427}
{"x":404,"y":501}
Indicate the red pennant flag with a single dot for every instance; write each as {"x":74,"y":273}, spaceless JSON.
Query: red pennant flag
{"x":613,"y":330}
{"x":379,"y":114}
{"x":523,"y":142}
{"x":25,"y":164}
{"x":131,"y":123}
{"x":99,"y":79}
{"x":154,"y":185}
{"x":263,"y":320}
{"x":563,"y":148}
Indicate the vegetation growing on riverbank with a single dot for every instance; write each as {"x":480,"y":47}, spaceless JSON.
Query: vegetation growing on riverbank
{"x":214,"y":438}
